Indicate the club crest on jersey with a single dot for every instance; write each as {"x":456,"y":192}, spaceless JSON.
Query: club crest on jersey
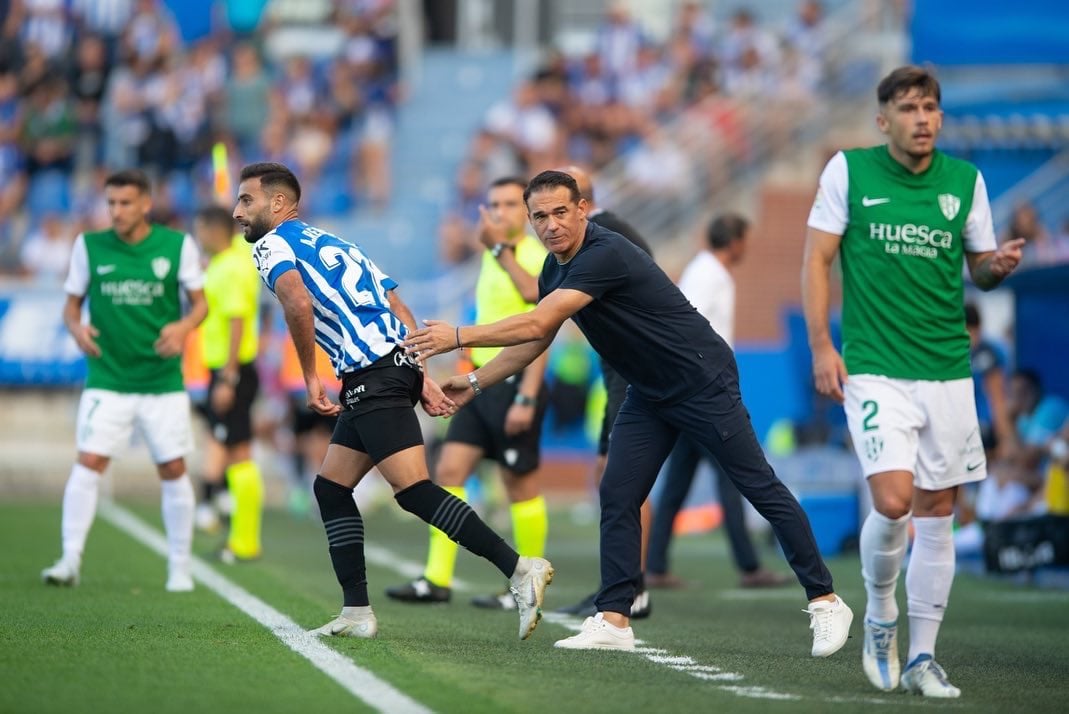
{"x":949,"y":204}
{"x":160,"y":267}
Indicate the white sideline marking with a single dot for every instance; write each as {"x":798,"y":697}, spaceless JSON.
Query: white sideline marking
{"x":359,"y":682}
{"x":687,"y":665}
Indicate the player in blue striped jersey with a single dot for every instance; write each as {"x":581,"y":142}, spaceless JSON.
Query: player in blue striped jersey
{"x":332,"y":294}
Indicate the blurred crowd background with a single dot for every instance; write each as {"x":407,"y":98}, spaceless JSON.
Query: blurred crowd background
{"x":397,"y":114}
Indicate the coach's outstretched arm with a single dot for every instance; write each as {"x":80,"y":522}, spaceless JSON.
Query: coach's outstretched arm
{"x":534,"y":326}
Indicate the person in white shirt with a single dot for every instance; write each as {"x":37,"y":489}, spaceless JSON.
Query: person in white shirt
{"x":708,"y":284}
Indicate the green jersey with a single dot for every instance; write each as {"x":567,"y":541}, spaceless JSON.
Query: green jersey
{"x":133,"y":291}
{"x":904,"y":237}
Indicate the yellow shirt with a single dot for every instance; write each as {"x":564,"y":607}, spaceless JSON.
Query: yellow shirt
{"x":232,"y":289}
{"x":496,"y":296}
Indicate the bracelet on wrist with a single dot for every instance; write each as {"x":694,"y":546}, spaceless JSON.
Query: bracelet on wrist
{"x":474,"y":382}
{"x":523,"y":400}
{"x":498,"y":249}
{"x":458,"y":338}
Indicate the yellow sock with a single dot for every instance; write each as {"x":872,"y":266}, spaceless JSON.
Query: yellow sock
{"x":442,"y":553}
{"x":530,"y":523}
{"x":247,"y":491}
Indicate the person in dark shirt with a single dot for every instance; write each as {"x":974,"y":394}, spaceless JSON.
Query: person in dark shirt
{"x":683,"y":380}
{"x":615,"y":391}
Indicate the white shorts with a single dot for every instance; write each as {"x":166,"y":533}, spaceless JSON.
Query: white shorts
{"x":928,"y":428}
{"x":106,"y":421}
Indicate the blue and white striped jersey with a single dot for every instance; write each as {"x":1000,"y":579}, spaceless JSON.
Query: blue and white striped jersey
{"x":353,"y":322}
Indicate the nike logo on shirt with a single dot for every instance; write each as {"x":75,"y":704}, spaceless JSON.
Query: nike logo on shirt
{"x":866,"y":201}
{"x":104,"y":269}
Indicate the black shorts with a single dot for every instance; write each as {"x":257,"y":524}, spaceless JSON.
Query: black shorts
{"x":615,"y":392}
{"x":234,"y":427}
{"x":377,"y":407}
{"x":482,"y":423}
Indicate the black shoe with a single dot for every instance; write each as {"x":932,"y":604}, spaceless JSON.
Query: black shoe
{"x":421,"y":590}
{"x":641,"y":608}
{"x":583,"y":608}
{"x":499,"y":601}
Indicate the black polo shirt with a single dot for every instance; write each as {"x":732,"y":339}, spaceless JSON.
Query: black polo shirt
{"x":639,"y":321}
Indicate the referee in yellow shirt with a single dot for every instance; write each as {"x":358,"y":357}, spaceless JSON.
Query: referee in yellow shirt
{"x":231,"y":337}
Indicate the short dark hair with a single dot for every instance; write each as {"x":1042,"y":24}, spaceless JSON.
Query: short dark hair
{"x":972,"y":315}
{"x":905,"y":78}
{"x":129,"y":177}
{"x":551,"y":180}
{"x":273,"y":175}
{"x":508,"y":181}
{"x":215,"y":215}
{"x":725,"y":230}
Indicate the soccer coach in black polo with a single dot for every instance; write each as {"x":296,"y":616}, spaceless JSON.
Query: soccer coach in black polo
{"x":683,"y":379}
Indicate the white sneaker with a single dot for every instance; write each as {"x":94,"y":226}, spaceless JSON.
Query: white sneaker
{"x":350,"y":624}
{"x":924,"y":676}
{"x":528,"y":585}
{"x":879,"y":656}
{"x":63,"y":573}
{"x":179,"y":579}
{"x":597,"y":634}
{"x":830,"y":623}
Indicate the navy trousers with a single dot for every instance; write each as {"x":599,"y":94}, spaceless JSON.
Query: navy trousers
{"x":716,"y":419}
{"x":678,"y":478}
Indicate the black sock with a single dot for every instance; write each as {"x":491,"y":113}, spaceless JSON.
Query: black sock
{"x":345,"y":536}
{"x":455,"y":518}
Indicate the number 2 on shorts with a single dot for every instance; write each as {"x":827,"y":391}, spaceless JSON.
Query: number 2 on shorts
{"x":871,"y":409}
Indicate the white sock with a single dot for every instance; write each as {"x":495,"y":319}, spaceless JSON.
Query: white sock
{"x":883,"y":548}
{"x":928,"y":581}
{"x":79,"y":510}
{"x":177,"y":504}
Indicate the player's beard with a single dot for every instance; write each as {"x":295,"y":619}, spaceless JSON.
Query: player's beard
{"x":257,"y":228}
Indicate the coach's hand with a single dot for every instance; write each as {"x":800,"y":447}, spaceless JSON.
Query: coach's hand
{"x":434,"y":400}
{"x":436,"y":338}
{"x":318,"y":401}
{"x":829,"y":372}
{"x":83,"y":336}
{"x":519,"y":419}
{"x":458,"y":389}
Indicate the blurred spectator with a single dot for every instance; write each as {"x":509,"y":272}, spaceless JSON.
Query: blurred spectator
{"x":49,"y":128}
{"x":105,"y":19}
{"x":46,"y":26}
{"x":806,"y":36}
{"x":1041,"y":248}
{"x":527,"y":126}
{"x":88,"y":80}
{"x":152,"y":33}
{"x":988,"y":370}
{"x":46,"y":252}
{"x":618,"y":42}
{"x":247,"y":86}
{"x":1014,"y":486}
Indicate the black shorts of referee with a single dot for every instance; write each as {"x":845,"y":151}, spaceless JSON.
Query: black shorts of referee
{"x":481,"y":423}
{"x":235,"y":426}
